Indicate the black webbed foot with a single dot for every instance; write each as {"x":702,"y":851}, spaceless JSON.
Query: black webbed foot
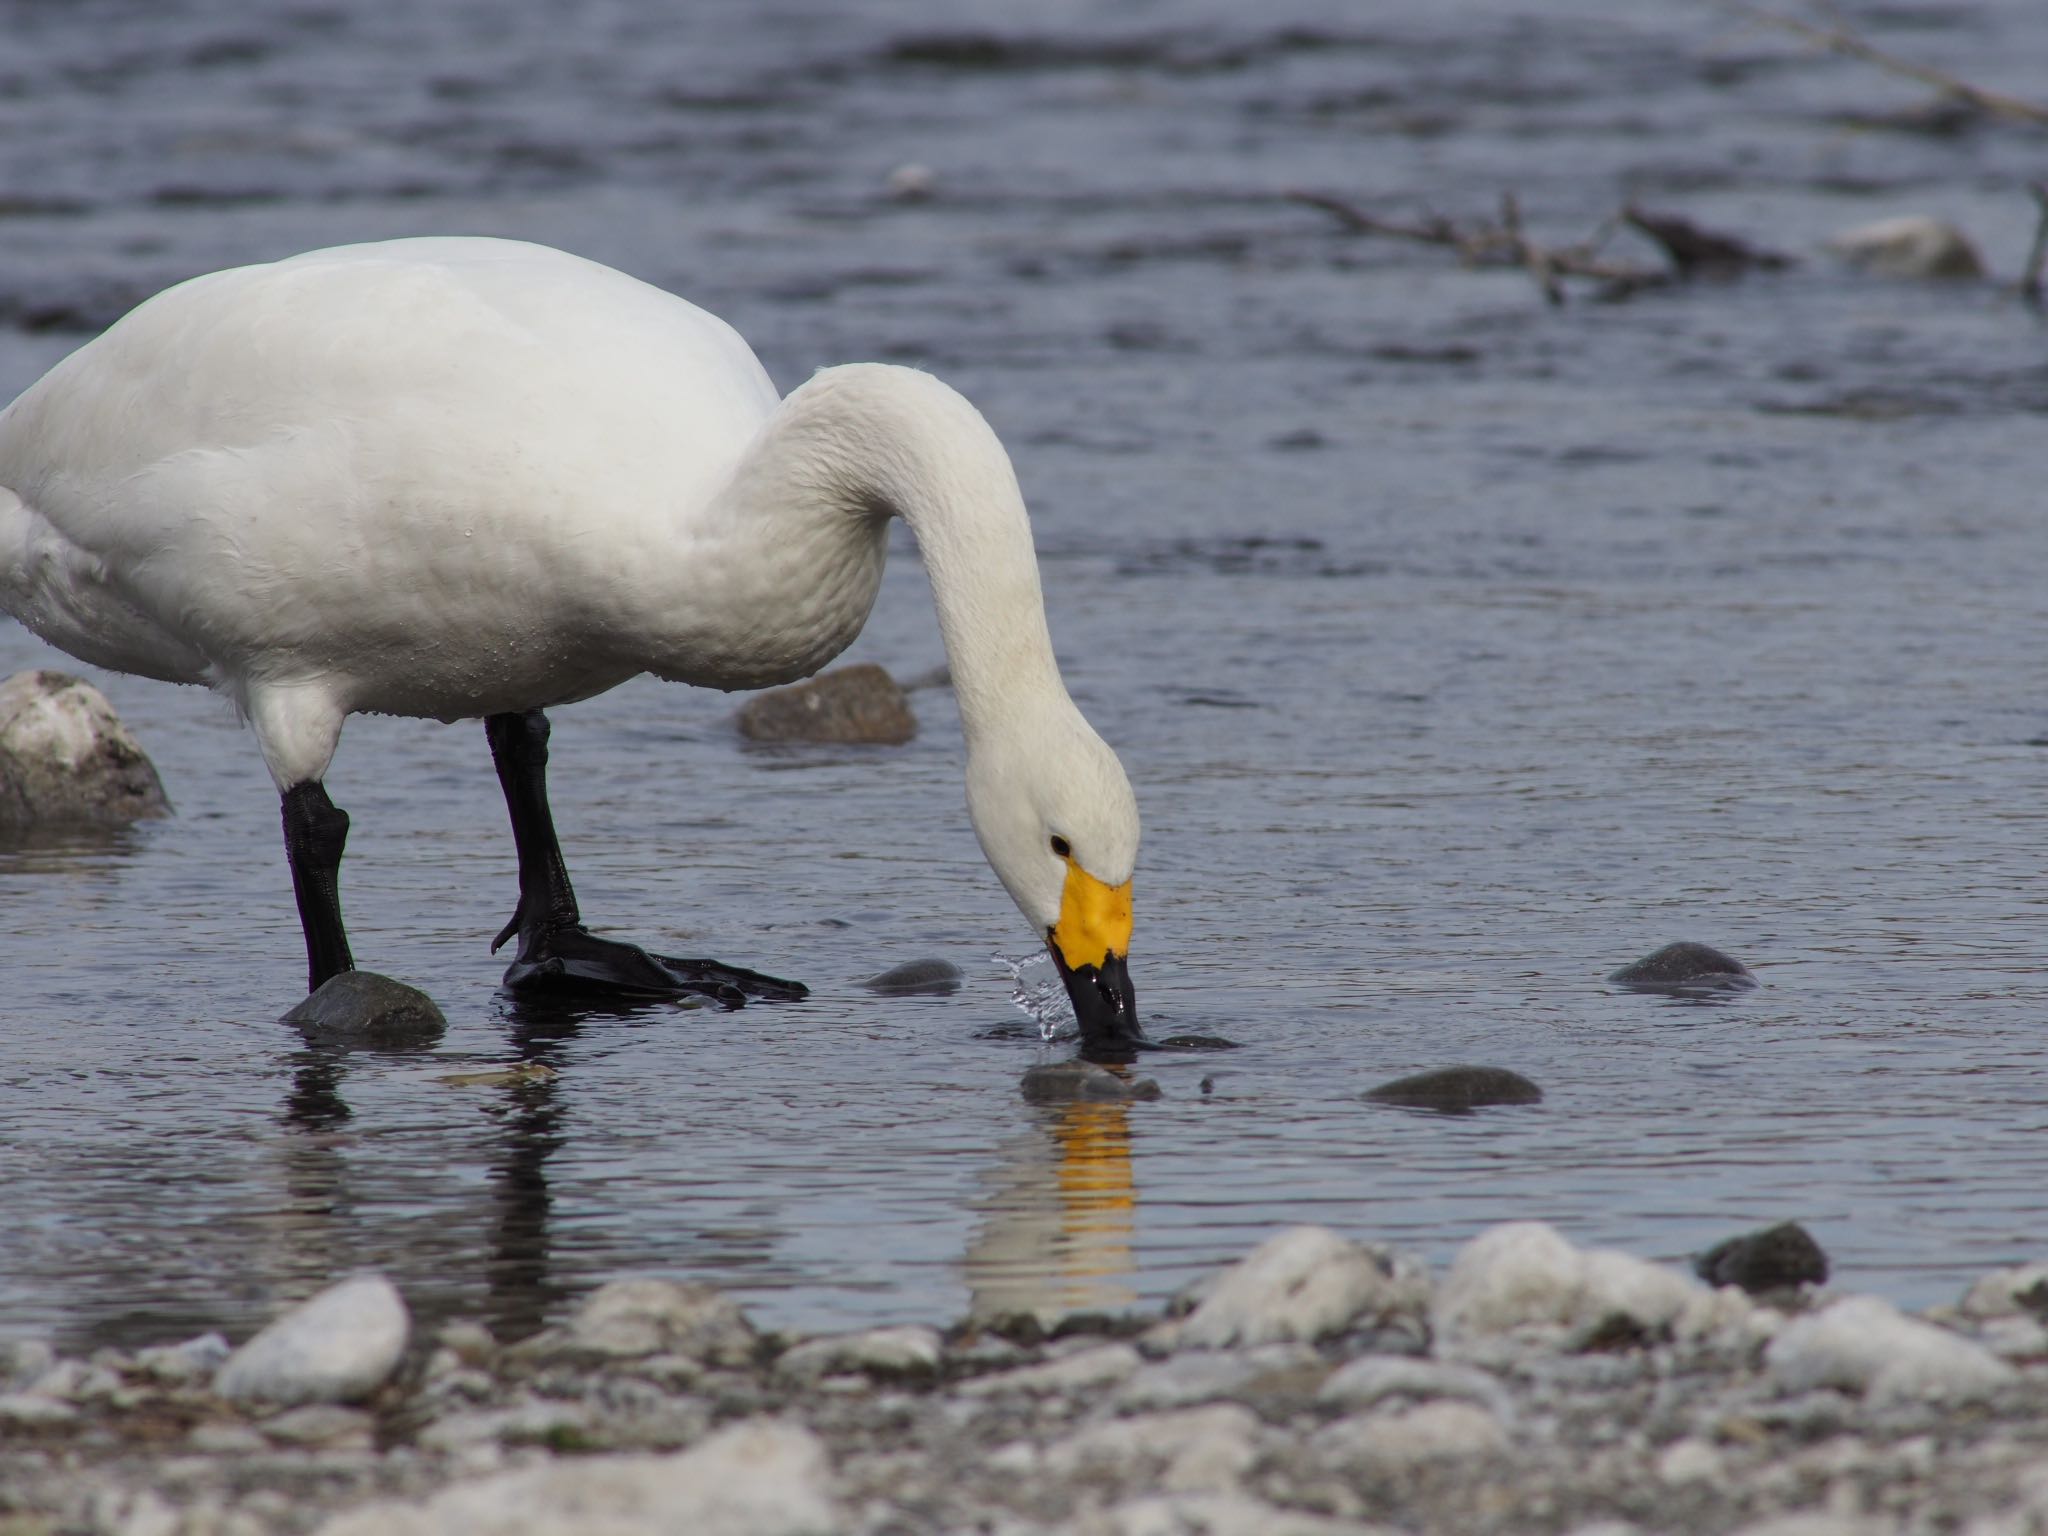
{"x":574,"y":960}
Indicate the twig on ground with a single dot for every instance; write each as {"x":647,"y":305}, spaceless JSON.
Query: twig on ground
{"x":1849,"y":43}
{"x":1698,"y":252}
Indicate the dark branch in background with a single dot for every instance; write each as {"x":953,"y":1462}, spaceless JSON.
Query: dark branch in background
{"x":1850,"y":44}
{"x":1693,"y":251}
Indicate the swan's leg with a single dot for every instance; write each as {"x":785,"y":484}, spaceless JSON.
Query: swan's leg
{"x":556,"y":952}
{"x":315,"y":829}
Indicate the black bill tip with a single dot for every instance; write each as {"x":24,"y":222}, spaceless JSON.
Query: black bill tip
{"x":1105,"y":1006}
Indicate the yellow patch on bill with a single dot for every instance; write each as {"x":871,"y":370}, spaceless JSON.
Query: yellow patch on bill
{"x":1095,"y":919}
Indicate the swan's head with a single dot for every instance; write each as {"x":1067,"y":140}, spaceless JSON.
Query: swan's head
{"x":1059,"y":824}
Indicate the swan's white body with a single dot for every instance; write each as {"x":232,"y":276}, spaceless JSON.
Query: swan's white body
{"x":459,"y":477}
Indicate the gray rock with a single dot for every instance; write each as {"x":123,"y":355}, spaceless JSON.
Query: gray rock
{"x":753,"y":1479}
{"x":1773,"y":1259}
{"x":1088,"y":1371}
{"x":1523,"y":1276}
{"x":1214,"y":1514}
{"x":319,"y":1424}
{"x":179,"y":1364}
{"x":2021,"y":1290}
{"x":23,"y":1361}
{"x":1683,"y":969}
{"x":362,"y":1008}
{"x":1065,"y":1082}
{"x":1291,"y":1370}
{"x":32,"y":1410}
{"x":643,"y":1316}
{"x":1457,"y":1090}
{"x":892,"y":1354}
{"x":337,"y":1347}
{"x":917,"y":978}
{"x":860,"y":703}
{"x":1372,"y":1379}
{"x":65,"y":757}
{"x":1187,"y":1450}
{"x":1305,"y":1283}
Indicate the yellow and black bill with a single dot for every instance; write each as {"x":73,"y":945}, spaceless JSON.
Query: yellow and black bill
{"x":1089,"y":945}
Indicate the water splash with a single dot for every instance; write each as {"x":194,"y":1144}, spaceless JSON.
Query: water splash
{"x":1035,"y":987}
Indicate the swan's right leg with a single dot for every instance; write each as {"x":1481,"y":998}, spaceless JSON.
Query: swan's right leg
{"x":298,"y":726}
{"x":315,"y":830}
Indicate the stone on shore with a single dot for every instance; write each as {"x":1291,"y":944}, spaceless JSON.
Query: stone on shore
{"x":911,"y":1352}
{"x":1306,"y":1283}
{"x":1524,"y":1277}
{"x":634,"y":1318}
{"x":752,"y":1479}
{"x":2021,"y":1291}
{"x":860,"y":703}
{"x":362,"y":1008}
{"x":1865,"y":1344}
{"x":337,"y":1347}
{"x":1388,"y":1442}
{"x":65,"y":757}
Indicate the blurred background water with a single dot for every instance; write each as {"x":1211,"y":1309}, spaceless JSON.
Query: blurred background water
{"x":1461,"y":649}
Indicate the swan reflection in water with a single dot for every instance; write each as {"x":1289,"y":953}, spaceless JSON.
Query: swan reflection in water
{"x":1057,"y":1222}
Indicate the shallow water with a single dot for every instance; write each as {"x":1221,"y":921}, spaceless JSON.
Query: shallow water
{"x":1461,"y":650}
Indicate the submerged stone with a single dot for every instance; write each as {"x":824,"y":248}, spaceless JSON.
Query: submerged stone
{"x":1772,"y":1259}
{"x":1684,"y":968}
{"x":65,"y":757}
{"x":861,"y":703}
{"x":362,"y":1008}
{"x":1064,"y":1082}
{"x":917,"y":978}
{"x":1457,"y":1090}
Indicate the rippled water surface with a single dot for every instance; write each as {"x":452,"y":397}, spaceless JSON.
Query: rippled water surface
{"x":1461,"y":649}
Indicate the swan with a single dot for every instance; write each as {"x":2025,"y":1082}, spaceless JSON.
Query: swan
{"x":460,"y":478}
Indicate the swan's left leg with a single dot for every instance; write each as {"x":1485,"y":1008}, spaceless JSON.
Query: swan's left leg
{"x":556,"y":952}
{"x":315,"y":831}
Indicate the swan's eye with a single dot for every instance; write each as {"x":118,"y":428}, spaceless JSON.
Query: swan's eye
{"x":1062,"y":847}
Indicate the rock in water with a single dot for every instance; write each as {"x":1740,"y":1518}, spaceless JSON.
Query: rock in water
{"x":65,"y":756}
{"x":1683,"y":969}
{"x":338,"y":1347}
{"x":1065,"y":1082}
{"x":1457,"y":1090}
{"x":917,"y":978}
{"x":361,"y":1008}
{"x":1776,"y":1258}
{"x":1913,"y":247}
{"x":848,"y":704}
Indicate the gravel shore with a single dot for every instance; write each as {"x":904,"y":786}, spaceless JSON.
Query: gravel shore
{"x":1319,"y":1386}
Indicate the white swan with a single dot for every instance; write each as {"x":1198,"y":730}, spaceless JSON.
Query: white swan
{"x":463,"y":477}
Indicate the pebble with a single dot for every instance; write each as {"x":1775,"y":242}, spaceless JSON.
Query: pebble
{"x":66,"y":757}
{"x":362,"y":1008}
{"x":1304,"y":1283}
{"x":1865,"y":1344}
{"x":753,"y":1479}
{"x":681,"y":1419}
{"x":2021,"y":1291}
{"x":194,"y":1360}
{"x":1392,"y":1441}
{"x":859,"y":703}
{"x":891,"y":1354}
{"x":647,"y":1316}
{"x":1684,"y":969}
{"x":1457,"y":1090}
{"x":337,"y":1347}
{"x":1524,"y":1276}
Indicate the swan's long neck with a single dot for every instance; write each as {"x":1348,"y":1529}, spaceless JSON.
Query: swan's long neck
{"x":882,"y":439}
